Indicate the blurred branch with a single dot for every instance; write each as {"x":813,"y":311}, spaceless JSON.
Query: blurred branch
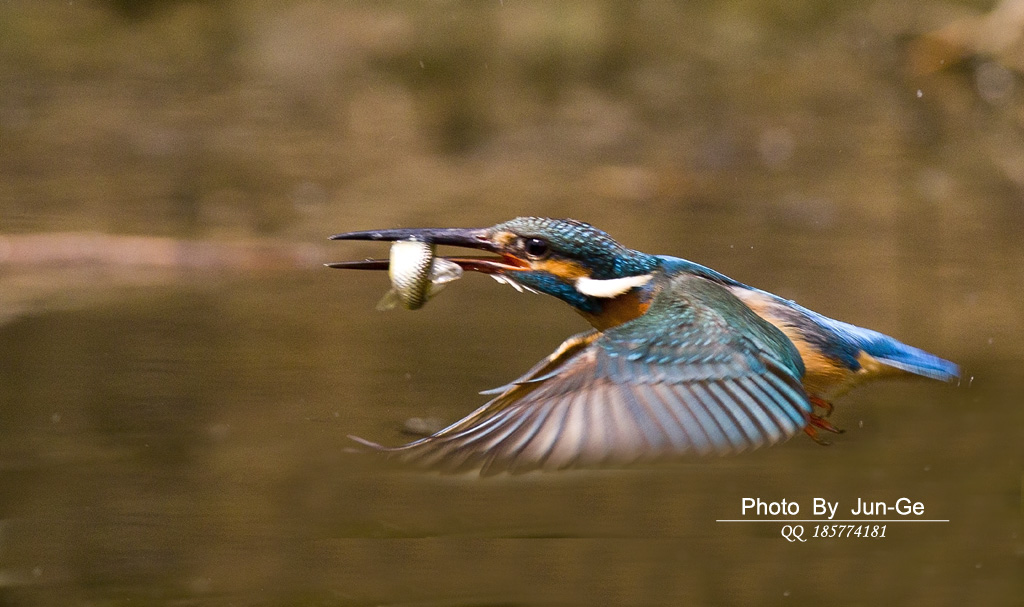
{"x":77,"y":248}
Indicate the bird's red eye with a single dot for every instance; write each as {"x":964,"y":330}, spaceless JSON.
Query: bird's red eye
{"x":536,"y":248}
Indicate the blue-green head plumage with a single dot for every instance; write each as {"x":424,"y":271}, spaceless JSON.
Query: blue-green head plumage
{"x":574,"y":240}
{"x":563,"y":254}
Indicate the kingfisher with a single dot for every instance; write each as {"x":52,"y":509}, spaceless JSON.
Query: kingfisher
{"x":680,"y":359}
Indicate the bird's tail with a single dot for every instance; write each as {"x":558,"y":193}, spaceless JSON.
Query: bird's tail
{"x":899,"y":355}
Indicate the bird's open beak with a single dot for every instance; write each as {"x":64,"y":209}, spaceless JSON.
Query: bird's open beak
{"x":473,"y":238}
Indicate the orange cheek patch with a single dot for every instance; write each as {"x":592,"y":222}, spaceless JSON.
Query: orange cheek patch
{"x":566,"y":270}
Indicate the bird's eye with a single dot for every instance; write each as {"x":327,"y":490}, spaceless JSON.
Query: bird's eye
{"x":536,"y":248}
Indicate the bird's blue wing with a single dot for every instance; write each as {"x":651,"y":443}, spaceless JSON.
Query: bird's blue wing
{"x":698,"y":373}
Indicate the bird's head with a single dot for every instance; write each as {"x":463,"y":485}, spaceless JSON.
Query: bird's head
{"x":569,"y":259}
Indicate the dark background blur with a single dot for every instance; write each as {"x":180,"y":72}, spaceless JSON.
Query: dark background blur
{"x":179,"y":372}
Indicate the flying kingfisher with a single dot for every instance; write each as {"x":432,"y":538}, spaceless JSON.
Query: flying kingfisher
{"x":681,"y":359}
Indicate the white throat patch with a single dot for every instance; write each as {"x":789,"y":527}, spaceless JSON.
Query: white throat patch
{"x":612,"y":287}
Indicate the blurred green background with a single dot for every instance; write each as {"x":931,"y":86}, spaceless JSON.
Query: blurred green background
{"x":179,"y":372}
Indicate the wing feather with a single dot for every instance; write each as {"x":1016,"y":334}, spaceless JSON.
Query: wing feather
{"x":765,"y":426}
{"x":698,"y":373}
{"x":652,"y":416}
{"x":752,"y":436}
{"x":628,"y":436}
{"x":694,"y":404}
{"x":778,"y":412}
{"x":678,"y":432}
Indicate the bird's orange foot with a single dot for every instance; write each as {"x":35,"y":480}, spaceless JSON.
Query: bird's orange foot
{"x":823,"y":404}
{"x":814,"y":422}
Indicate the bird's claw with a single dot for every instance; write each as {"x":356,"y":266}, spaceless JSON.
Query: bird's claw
{"x":823,"y":404}
{"x":815,"y":422}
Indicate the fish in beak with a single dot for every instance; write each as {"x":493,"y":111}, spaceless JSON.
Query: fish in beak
{"x":471,"y":238}
{"x":416,"y":273}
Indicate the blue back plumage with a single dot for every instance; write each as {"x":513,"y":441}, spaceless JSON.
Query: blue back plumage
{"x":842,"y":341}
{"x":896,"y":353}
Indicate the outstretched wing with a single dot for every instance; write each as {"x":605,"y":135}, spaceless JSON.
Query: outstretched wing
{"x":698,"y":373}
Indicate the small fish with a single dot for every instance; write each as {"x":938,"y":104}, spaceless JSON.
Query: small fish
{"x":416,"y":274}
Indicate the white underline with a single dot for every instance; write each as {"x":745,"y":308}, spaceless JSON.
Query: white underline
{"x":822,"y":520}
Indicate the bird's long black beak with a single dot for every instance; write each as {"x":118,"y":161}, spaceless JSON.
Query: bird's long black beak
{"x":472,"y":238}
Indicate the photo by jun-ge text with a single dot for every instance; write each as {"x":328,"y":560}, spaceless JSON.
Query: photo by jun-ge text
{"x":903,"y":506}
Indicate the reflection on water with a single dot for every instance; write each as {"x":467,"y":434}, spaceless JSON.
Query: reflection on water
{"x":173,"y":428}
